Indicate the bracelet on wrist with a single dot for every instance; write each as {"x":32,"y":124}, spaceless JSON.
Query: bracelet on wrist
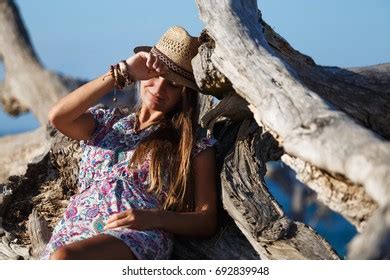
{"x":120,"y":74}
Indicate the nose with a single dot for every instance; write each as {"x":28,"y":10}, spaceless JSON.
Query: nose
{"x":159,"y":85}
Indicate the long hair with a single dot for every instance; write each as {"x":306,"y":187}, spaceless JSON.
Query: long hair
{"x":169,"y":150}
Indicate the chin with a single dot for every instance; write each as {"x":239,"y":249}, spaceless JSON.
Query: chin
{"x":155,"y":107}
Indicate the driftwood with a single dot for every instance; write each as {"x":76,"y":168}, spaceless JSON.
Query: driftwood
{"x":278,"y":100}
{"x":303,"y":122}
{"x":25,"y":74}
{"x":16,"y":151}
{"x":39,"y":233}
{"x":257,"y":214}
{"x":331,"y":191}
{"x":276,"y":103}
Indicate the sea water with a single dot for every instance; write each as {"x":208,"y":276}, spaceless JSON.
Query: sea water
{"x":13,"y":125}
{"x":330,"y":225}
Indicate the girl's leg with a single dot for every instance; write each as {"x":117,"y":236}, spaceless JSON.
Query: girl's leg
{"x":100,"y":247}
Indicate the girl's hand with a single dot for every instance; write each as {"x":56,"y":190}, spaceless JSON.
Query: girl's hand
{"x":144,"y":66}
{"x":139,"y":219}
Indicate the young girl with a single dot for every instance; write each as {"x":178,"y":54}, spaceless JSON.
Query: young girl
{"x":143,"y":176}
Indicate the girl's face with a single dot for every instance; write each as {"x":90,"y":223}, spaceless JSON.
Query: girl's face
{"x":159,"y":94}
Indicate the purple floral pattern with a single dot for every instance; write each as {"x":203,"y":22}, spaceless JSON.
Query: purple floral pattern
{"x":106,"y":186}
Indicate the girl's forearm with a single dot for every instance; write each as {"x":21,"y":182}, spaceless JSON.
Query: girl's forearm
{"x":196,"y":224}
{"x":71,"y":106}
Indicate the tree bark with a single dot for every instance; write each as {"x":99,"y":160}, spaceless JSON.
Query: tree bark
{"x":361,"y":92}
{"x":338,"y":193}
{"x":331,"y":190}
{"x":27,"y":85}
{"x":246,"y":198}
{"x":39,"y":233}
{"x":279,"y":100}
{"x":282,"y":101}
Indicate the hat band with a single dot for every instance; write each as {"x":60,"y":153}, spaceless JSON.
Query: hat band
{"x":172,"y":65}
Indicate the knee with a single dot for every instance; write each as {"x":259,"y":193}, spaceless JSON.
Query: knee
{"x":62,"y":253}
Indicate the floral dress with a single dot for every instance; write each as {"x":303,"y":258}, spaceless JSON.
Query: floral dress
{"x":106,"y":186}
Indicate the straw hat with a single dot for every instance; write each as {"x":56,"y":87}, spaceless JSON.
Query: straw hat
{"x":176,"y":49}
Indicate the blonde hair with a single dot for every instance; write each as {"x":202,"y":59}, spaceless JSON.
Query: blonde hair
{"x":169,"y":148}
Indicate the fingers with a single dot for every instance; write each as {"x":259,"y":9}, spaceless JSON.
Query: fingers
{"x":117,"y":223}
{"x":118,"y":220}
{"x":150,"y":60}
{"x":158,"y":65}
{"x":161,"y":67}
{"x":117,"y":216}
{"x":144,"y":65}
{"x":155,"y":64}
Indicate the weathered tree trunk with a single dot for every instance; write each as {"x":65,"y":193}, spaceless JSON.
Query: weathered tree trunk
{"x":281,"y":97}
{"x":276,"y":104}
{"x":257,"y":214}
{"x":18,"y":150}
{"x":39,"y":233}
{"x":27,"y":85}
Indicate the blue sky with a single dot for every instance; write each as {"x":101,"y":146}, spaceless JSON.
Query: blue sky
{"x":81,"y":38}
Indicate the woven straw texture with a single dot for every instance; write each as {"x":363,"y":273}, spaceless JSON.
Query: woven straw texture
{"x":176,"y":48}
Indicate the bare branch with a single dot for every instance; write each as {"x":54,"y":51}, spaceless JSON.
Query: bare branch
{"x":278,"y":100}
{"x":28,"y":83}
{"x":283,"y":101}
{"x":346,"y":198}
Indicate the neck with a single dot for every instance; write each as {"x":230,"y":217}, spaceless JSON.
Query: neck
{"x":147,"y":117}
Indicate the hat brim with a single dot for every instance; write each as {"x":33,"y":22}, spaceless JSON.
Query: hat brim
{"x":170,"y":75}
{"x":142,"y":49}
